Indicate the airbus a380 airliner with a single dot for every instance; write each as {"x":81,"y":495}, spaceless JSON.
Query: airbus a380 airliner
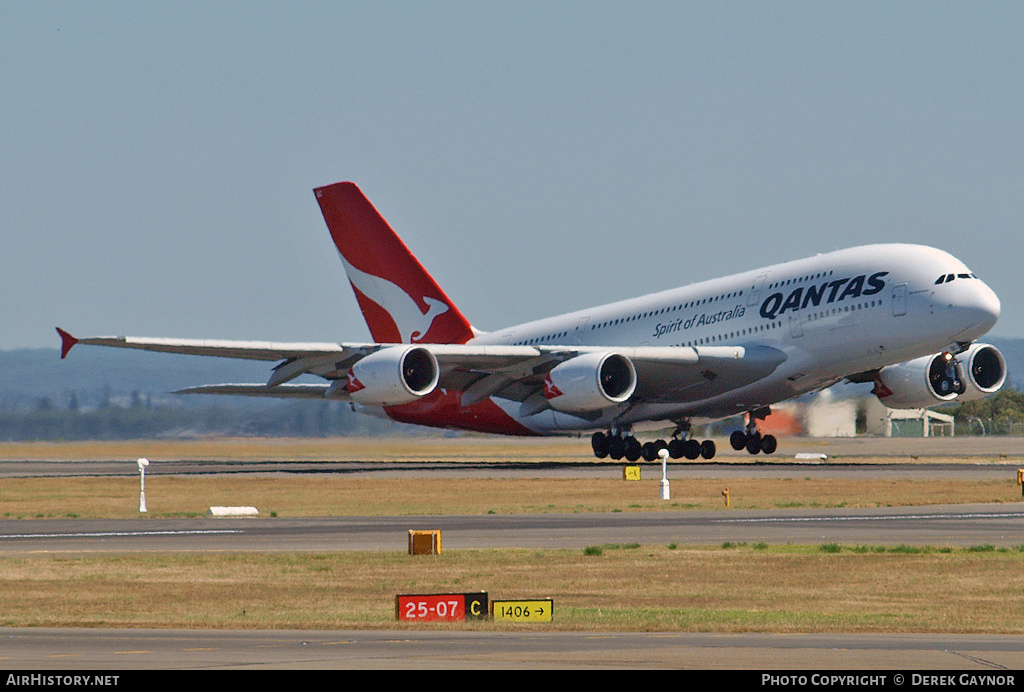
{"x":904,"y":316}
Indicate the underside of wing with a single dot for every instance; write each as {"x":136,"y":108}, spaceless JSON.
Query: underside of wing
{"x":715,"y":371}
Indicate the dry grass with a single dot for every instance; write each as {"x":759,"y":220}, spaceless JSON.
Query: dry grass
{"x":315,"y":495}
{"x":301,"y":449}
{"x":654,"y":588}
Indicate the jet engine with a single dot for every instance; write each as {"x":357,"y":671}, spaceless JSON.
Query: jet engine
{"x":590,"y":382}
{"x":392,"y":376}
{"x":984,"y":371}
{"x":931,"y":380}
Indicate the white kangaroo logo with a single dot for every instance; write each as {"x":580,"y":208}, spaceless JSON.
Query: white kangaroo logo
{"x":413,"y":324}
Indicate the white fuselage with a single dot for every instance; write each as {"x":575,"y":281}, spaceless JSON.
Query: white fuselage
{"x":833,"y":315}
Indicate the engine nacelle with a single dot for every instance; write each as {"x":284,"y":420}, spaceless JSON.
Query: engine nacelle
{"x":590,"y":382}
{"x":932,"y":380}
{"x":984,"y":371}
{"x":392,"y":376}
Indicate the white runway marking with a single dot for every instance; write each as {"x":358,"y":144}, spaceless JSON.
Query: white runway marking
{"x":895,"y":517}
{"x":109,"y":534}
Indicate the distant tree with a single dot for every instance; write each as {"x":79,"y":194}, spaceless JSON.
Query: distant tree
{"x":1000,"y":413}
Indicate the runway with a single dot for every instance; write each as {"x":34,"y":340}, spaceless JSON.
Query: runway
{"x":114,"y":650}
{"x":999,"y":525}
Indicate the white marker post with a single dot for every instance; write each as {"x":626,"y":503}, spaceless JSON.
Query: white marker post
{"x":143,"y":463}
{"x":663,"y":453}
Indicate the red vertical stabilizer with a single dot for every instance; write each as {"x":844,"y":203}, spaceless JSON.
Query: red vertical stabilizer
{"x":400,"y":301}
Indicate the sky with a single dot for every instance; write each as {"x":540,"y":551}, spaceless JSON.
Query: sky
{"x":157,"y":159}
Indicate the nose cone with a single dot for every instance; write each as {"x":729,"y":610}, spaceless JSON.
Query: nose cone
{"x":979,"y":306}
{"x":989,"y":306}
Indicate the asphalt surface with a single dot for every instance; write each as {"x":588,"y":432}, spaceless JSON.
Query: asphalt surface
{"x":1000,"y":525}
{"x":113,"y":650}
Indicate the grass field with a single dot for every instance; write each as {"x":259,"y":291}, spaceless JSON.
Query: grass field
{"x":748,"y":588}
{"x":722,"y":588}
{"x":318,"y":495}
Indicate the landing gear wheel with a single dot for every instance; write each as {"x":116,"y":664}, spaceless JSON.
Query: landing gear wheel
{"x":650,"y":451}
{"x":599,"y":441}
{"x":707,"y":449}
{"x":738,"y":440}
{"x":691,"y":449}
{"x":633,"y":449}
{"x":769,"y":444}
{"x":676,"y":448}
{"x":754,"y":444}
{"x":616,"y":447}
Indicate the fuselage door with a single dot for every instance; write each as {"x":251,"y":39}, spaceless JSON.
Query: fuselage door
{"x":581,"y":328}
{"x":796,"y":326}
{"x":755,"y":290}
{"x":899,"y":299}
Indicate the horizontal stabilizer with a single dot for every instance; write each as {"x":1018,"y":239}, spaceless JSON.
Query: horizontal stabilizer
{"x":284,"y":391}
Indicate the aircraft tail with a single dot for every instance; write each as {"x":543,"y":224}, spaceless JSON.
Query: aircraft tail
{"x":400,"y":301}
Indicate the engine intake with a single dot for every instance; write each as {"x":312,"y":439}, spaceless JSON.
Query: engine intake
{"x":392,"y":376}
{"x":984,"y":371}
{"x":590,"y":382}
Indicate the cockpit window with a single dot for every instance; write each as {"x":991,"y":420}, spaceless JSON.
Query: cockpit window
{"x":946,"y":278}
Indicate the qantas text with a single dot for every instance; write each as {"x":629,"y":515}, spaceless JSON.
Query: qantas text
{"x":701,"y":320}
{"x":828,"y":292}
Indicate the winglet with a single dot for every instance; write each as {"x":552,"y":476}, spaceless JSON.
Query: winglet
{"x":67,"y":341}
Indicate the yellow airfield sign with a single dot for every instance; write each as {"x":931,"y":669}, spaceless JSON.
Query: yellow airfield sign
{"x":523,"y":610}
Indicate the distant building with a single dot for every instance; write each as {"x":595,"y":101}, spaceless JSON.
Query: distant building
{"x":918,"y":422}
{"x":826,"y":416}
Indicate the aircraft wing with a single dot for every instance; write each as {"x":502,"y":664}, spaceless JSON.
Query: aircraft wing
{"x":459,"y":365}
{"x":517,"y":373}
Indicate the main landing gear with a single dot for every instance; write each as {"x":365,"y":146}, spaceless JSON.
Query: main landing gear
{"x":618,"y":446}
{"x":752,"y":440}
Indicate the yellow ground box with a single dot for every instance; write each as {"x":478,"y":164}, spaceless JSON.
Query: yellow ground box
{"x":424,"y":542}
{"x":523,"y":610}
{"x":630,"y":473}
